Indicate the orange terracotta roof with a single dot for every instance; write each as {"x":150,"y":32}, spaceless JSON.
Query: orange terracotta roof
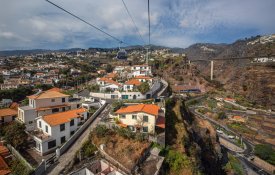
{"x":4,"y":151}
{"x":229,"y":99}
{"x":4,"y":168}
{"x":55,"y":89}
{"x":7,"y":112}
{"x":110,"y":81}
{"x":146,"y":108}
{"x":48,"y":94}
{"x":111,"y":75}
{"x":122,"y":125}
{"x":14,"y":106}
{"x":133,"y":82}
{"x":160,"y":122}
{"x":63,"y":117}
{"x":5,"y":172}
{"x":143,"y":77}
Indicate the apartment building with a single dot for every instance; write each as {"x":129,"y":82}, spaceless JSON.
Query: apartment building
{"x":141,"y":118}
{"x":44,"y":103}
{"x":141,"y":70}
{"x":53,"y":130}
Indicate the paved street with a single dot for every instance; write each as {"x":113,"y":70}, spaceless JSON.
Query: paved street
{"x":68,"y":156}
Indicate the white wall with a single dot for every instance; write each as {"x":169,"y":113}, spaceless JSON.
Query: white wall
{"x":47,"y":102}
{"x":129,"y":121}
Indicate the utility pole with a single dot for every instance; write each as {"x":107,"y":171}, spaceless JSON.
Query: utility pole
{"x":212,"y":68}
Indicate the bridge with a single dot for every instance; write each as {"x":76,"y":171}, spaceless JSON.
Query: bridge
{"x":253,"y":59}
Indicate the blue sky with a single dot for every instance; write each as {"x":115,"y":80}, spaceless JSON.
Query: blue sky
{"x":31,"y":24}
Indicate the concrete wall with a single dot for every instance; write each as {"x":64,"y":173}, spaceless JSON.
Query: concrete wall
{"x":27,"y":117}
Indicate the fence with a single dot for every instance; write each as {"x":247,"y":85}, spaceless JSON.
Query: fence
{"x":81,"y":130}
{"x":19,"y":156}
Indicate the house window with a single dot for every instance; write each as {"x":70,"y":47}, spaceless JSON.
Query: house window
{"x":55,"y":110}
{"x":78,"y":105}
{"x":132,"y":128}
{"x":145,"y":129}
{"x":122,"y":116}
{"x":63,"y":139}
{"x":134,"y":117}
{"x":30,"y":122}
{"x":51,"y":144}
{"x":72,"y":122}
{"x":40,"y":125}
{"x":72,"y":133}
{"x":62,"y":127}
{"x":128,"y":87}
{"x":53,"y":100}
{"x":13,"y":117}
{"x":46,"y":128}
{"x":145,"y":118}
{"x":63,"y":109}
{"x":63,"y":100}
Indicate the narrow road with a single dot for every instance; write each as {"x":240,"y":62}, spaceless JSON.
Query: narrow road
{"x":68,"y":156}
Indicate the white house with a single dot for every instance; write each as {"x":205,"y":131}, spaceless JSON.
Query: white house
{"x":106,"y":83}
{"x":141,"y":118}
{"x":145,"y":79}
{"x":141,"y":70}
{"x":53,"y":130}
{"x":44,"y":103}
{"x":131,"y":85}
{"x":7,"y":115}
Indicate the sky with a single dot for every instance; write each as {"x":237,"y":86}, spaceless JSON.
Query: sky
{"x":36,"y":24}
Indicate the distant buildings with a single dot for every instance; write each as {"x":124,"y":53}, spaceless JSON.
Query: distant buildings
{"x":7,"y":115}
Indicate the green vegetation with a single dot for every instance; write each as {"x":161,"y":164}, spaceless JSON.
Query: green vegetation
{"x":25,"y":102}
{"x":177,"y":160}
{"x":234,"y":165}
{"x":101,"y":130}
{"x":16,"y":94}
{"x":241,"y":128}
{"x":93,"y":88}
{"x":117,"y":105}
{"x":69,"y":92}
{"x":222,"y":115}
{"x":144,"y":87}
{"x":211,"y":103}
{"x":18,"y":168}
{"x":88,"y":148}
{"x":265,"y":152}
{"x":109,"y":68}
{"x":14,"y":134}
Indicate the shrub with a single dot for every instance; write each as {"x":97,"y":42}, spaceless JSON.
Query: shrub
{"x":222,"y":115}
{"x":176,"y":160}
{"x":101,"y":130}
{"x":88,"y":148}
{"x":265,"y":152}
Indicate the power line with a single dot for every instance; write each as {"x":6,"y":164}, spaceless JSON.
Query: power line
{"x":97,"y":28}
{"x":149,"y":23}
{"x":133,"y":21}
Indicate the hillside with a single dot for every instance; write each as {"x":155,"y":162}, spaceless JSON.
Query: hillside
{"x":255,"y":82}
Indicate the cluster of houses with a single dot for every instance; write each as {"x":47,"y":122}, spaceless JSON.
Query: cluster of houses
{"x":124,"y":81}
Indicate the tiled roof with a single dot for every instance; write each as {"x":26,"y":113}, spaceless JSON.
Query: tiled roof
{"x":133,"y":82}
{"x":160,"y":122}
{"x":7,"y":112}
{"x":146,"y":108}
{"x":4,"y":168}
{"x":55,"y":89}
{"x":111,"y":75}
{"x":52,"y":93}
{"x":4,"y":151}
{"x":63,"y":117}
{"x":109,"y":81}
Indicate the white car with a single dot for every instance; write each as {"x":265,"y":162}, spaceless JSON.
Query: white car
{"x":231,"y":137}
{"x":220,"y":131}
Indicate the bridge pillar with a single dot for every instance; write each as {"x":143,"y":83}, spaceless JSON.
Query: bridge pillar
{"x":211,"y":70}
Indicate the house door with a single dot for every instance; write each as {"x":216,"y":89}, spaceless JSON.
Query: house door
{"x":134,"y":97}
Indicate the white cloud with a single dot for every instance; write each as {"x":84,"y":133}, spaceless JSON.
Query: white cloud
{"x":35,"y":24}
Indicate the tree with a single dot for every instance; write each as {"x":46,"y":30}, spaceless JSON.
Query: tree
{"x":144,"y":87}
{"x":117,"y":105}
{"x":109,"y":68}
{"x":14,"y":134}
{"x":222,"y":115}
